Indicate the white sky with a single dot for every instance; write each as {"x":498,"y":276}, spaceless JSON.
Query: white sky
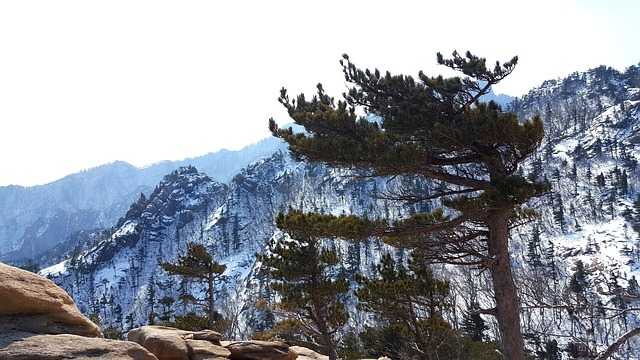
{"x":83,"y":83}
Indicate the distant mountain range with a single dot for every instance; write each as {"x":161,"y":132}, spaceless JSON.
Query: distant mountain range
{"x":35,"y":219}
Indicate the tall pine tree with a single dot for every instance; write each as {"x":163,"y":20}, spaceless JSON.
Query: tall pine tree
{"x":437,"y":129}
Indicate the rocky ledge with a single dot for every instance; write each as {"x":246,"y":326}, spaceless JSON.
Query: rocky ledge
{"x":40,"y":321}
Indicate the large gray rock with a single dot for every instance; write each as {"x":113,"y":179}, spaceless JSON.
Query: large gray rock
{"x":31,"y":303}
{"x":18,"y":345}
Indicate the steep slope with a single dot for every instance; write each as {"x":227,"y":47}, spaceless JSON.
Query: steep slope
{"x":590,"y":219}
{"x":233,"y":221}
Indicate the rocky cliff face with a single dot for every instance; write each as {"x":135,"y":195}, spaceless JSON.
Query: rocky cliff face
{"x":34,"y":220}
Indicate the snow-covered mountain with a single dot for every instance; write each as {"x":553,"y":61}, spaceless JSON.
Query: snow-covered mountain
{"x":586,"y":232}
{"x":36,"y":219}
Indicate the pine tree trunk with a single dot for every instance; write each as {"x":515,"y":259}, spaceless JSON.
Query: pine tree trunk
{"x":332,"y":352}
{"x":326,"y":338}
{"x":212,"y":310}
{"x":506,"y":293}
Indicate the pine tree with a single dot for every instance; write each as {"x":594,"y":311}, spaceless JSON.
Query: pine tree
{"x":474,"y":326}
{"x":466,"y":152}
{"x":198,"y":264}
{"x":558,"y":212}
{"x":411,"y":299}
{"x":300,"y":271}
{"x":151,"y":300}
{"x":534,"y":256}
{"x":167,"y":303}
{"x":579,"y":282}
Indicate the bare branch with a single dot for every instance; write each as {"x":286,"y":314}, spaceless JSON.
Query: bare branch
{"x":616,"y":345}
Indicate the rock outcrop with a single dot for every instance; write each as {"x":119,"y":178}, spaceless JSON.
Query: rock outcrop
{"x":260,"y":350}
{"x":39,"y":321}
{"x":29,"y":302}
{"x":168,"y":343}
{"x":19,"y":345}
{"x":308,"y":354}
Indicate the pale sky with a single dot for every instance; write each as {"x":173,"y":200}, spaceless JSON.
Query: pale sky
{"x":83,"y":83}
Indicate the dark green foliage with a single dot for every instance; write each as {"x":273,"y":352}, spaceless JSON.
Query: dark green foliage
{"x":436,"y":129}
{"x":633,"y":288}
{"x":474,"y":326}
{"x":558,"y":212}
{"x":198,"y":264}
{"x":551,"y":351}
{"x":166,"y":314}
{"x":390,"y":341}
{"x":29,"y":265}
{"x":300,"y":271}
{"x":151,"y":300}
{"x":350,"y":347}
{"x":395,"y":342}
{"x":534,"y":252}
{"x":636,"y":215}
{"x":600,"y":180}
{"x":410,"y":298}
{"x":579,"y":281}
{"x":113,"y":333}
{"x":544,"y":350}
{"x":190,"y":322}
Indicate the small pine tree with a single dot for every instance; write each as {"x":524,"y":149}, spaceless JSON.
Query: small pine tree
{"x":534,"y":258}
{"x":151,"y":300}
{"x":166,"y":302}
{"x":474,"y":326}
{"x":309,"y":295}
{"x":558,"y":213}
{"x":412,"y":297}
{"x":579,"y":282}
{"x":198,"y":264}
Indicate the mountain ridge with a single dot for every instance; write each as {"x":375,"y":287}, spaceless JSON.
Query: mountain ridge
{"x":35,"y":219}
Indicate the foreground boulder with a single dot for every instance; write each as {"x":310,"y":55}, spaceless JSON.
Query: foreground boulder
{"x":308,"y":354}
{"x":260,"y":350}
{"x":18,"y":345}
{"x":32,"y":303}
{"x":168,"y":343}
{"x":39,"y":321}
